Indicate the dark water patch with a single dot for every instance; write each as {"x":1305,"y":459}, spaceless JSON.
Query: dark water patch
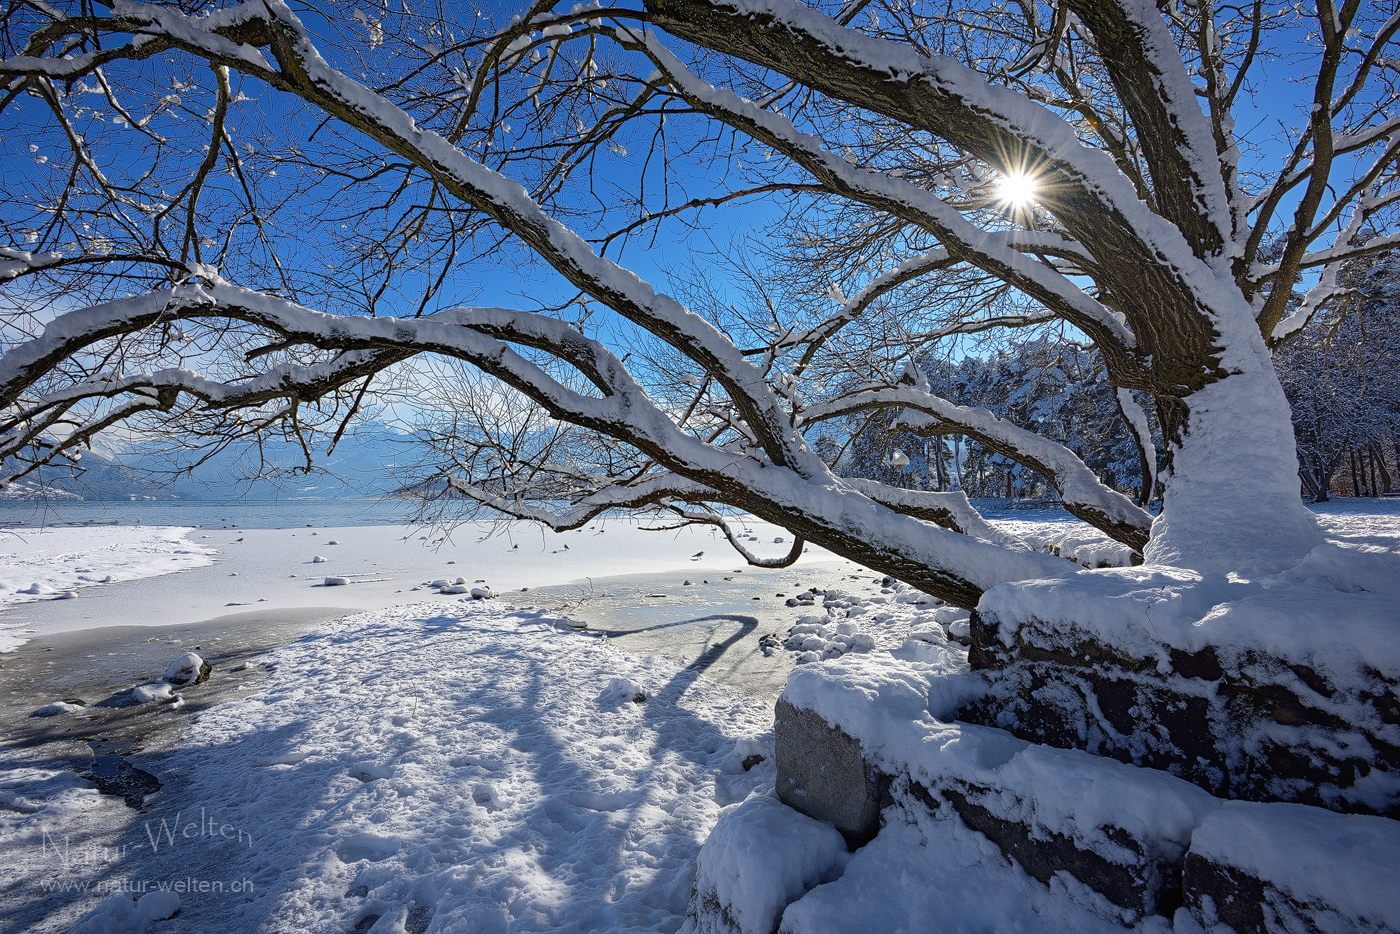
{"x":115,"y":775}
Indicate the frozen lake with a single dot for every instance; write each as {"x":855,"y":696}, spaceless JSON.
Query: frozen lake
{"x":246,"y":514}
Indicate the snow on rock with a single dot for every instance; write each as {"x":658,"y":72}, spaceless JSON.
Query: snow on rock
{"x":897,"y":709}
{"x":855,"y":623}
{"x":1084,"y":545}
{"x":1336,"y":871}
{"x":868,"y":694}
{"x":1056,"y":532}
{"x":1336,"y":612}
{"x":481,"y":593}
{"x":1118,"y":833}
{"x":157,"y":906}
{"x":55,"y":709}
{"x":318,"y":559}
{"x":1104,"y":663}
{"x":187,"y":670}
{"x":828,"y":638}
{"x":58,"y":562}
{"x":761,"y":856}
{"x":622,"y":690}
{"x":153,"y":691}
{"x":335,"y":582}
{"x":120,"y":913}
{"x":920,"y":868}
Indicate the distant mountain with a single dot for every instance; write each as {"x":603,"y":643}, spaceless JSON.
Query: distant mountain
{"x":361,"y":466}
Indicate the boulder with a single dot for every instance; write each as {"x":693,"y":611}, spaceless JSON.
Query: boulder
{"x":1247,"y":724}
{"x":822,"y":773}
{"x":1286,"y":867}
{"x":187,"y":670}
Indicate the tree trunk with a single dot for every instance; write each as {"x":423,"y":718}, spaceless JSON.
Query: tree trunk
{"x":1329,"y":472}
{"x":1231,"y":500}
{"x":1383,"y":481}
{"x":1308,"y":474}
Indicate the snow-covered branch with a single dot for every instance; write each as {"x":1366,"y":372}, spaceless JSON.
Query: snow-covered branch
{"x":955,"y":566}
{"x":1083,"y":494}
{"x":950,"y":509}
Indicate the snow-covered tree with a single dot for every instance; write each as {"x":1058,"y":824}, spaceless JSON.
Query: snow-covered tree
{"x":225,"y":216}
{"x":1054,"y":388}
{"x":1342,"y":373}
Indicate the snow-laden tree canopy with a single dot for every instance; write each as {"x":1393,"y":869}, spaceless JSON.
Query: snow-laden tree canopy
{"x":1342,"y":374}
{"x":229,"y":216}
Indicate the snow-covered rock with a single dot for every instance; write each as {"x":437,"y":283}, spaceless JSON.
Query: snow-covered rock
{"x":1123,"y":841}
{"x":622,"y":690}
{"x":1282,"y":688}
{"x":189,"y":669}
{"x":760,"y":857}
{"x":55,"y":709}
{"x":1294,"y":868}
{"x":153,"y":691}
{"x":120,"y":913}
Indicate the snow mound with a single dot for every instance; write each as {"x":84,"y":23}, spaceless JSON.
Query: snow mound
{"x":55,"y":709}
{"x":119,"y":913}
{"x":153,"y":691}
{"x":761,"y":856}
{"x":622,"y":690}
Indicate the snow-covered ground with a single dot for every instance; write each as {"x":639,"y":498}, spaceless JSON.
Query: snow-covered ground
{"x":1362,"y":521}
{"x":467,"y":765}
{"x":458,"y":765}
